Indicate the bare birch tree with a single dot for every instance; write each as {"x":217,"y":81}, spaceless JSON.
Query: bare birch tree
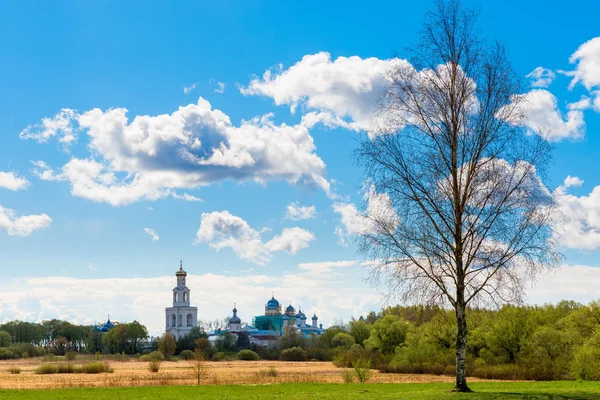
{"x":457,"y":209}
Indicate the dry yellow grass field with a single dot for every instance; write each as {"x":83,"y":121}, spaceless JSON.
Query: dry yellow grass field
{"x":135,"y":373}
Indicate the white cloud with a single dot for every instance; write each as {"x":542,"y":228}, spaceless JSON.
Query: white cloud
{"x":60,"y":125}
{"x":188,"y":89}
{"x":543,"y":117}
{"x":151,"y":156}
{"x":325,"y":268}
{"x":187,"y":197}
{"x":296,"y":212}
{"x":572,"y":181}
{"x":220,"y":229}
{"x":291,"y":240}
{"x":10,"y":181}
{"x":577,"y":282}
{"x":578,"y":225}
{"x":541,"y":77}
{"x":220,"y":88}
{"x":152,"y":234}
{"x":379,"y":208}
{"x":587,"y":70}
{"x":23,"y":225}
{"x":346,"y":88}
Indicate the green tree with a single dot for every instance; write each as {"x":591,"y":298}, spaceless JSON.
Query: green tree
{"x":5,"y":339}
{"x":167,"y":345}
{"x":225,"y":343}
{"x":135,"y":334}
{"x":388,"y":334}
{"x":360,"y":331}
{"x":343,"y":340}
{"x":506,"y":334}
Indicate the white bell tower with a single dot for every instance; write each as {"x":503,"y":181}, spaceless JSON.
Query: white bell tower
{"x":181,"y":317}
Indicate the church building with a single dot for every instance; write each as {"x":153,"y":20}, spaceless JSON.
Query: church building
{"x":266,"y":329}
{"x":181,"y":317}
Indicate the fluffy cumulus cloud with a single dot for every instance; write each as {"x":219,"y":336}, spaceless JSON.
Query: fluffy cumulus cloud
{"x":22,"y":225}
{"x":379,"y":212}
{"x":578,"y":225}
{"x":61,"y":126}
{"x":10,"y":181}
{"x":295,"y":211}
{"x":150,"y":157}
{"x":543,"y":117}
{"x":291,"y":240}
{"x":220,"y":229}
{"x":541,"y":77}
{"x":587,"y":60}
{"x":152,"y":234}
{"x":341,"y":92}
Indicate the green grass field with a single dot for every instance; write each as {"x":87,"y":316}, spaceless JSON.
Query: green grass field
{"x":496,"y":390}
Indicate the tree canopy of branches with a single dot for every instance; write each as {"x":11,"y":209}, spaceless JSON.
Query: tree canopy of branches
{"x":457,"y":209}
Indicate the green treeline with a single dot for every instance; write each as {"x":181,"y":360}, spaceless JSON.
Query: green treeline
{"x":19,"y":339}
{"x":547,"y":342}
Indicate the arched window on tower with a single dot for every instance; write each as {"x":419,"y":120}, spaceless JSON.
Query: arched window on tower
{"x":189,"y":320}
{"x":175,"y":297}
{"x":174,"y":320}
{"x":184,"y":297}
{"x":180,"y":320}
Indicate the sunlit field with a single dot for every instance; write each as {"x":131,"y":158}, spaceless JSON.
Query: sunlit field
{"x":136,"y":373}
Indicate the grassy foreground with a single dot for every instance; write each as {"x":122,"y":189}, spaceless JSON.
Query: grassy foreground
{"x":487,"y":390}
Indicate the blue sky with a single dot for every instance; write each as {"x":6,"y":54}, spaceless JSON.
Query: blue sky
{"x":140,"y":56}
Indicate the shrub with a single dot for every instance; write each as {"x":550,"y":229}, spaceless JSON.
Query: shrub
{"x":98,"y":356}
{"x":67,"y":368}
{"x":362,"y":369}
{"x":154,"y":366}
{"x":5,"y":353}
{"x":220,"y":356}
{"x":271,"y":372}
{"x":186,"y":355}
{"x":24,"y":355}
{"x":152,"y":356}
{"x":345,"y":358}
{"x":96,"y":368}
{"x":36,"y":351}
{"x":347,"y":375}
{"x":14,"y":370}
{"x":247,"y":355}
{"x":502,"y":371}
{"x":293,"y":354}
{"x":46,"y":369}
{"x":70,"y":356}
